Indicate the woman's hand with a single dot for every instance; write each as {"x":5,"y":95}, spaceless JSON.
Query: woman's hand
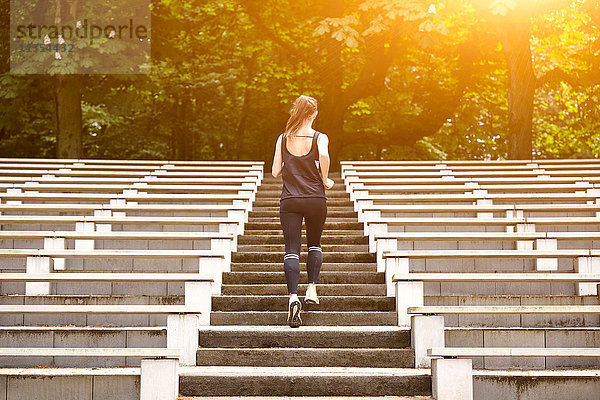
{"x":328,"y":184}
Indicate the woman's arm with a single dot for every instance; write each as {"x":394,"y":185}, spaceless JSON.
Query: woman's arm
{"x":277,"y":159}
{"x":324,"y":160}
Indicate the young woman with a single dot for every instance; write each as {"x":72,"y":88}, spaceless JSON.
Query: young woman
{"x":302,"y":158}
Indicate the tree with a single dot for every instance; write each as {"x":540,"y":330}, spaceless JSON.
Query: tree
{"x":353,"y":46}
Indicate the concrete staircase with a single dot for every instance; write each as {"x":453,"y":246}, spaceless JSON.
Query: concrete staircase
{"x":349,"y":345}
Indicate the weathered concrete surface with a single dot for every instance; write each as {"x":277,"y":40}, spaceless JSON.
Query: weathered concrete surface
{"x":49,"y":387}
{"x":554,"y":386}
{"x":218,"y":382}
{"x":116,"y":387}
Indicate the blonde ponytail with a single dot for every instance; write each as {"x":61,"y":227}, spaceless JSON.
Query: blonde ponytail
{"x":303,"y":108}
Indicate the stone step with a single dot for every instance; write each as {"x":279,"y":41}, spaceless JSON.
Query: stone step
{"x":327,"y":277}
{"x":311,"y":398}
{"x":275,"y":218}
{"x":327,"y":248}
{"x":334,"y":224}
{"x":307,"y":357}
{"x":331,"y":289}
{"x":349,"y":207}
{"x":328,"y":318}
{"x":276,"y":231}
{"x":276,"y":194}
{"x":277,"y":257}
{"x":326,"y":239}
{"x":299,"y":381}
{"x":278,"y":267}
{"x":268,"y":178}
{"x":278,"y":186}
{"x":274,"y":202}
{"x":316,"y":336}
{"x":327,"y":303}
{"x":274,"y":213}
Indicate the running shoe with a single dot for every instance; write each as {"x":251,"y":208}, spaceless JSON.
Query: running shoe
{"x":311,"y":295}
{"x":294,"y":320}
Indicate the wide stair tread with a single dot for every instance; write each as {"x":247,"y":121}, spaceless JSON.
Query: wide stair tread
{"x":280,"y":248}
{"x":307,"y":357}
{"x":327,"y":303}
{"x":300,"y":381}
{"x":310,"y":398}
{"x":250,"y":336}
{"x":325,"y":277}
{"x":276,"y":256}
{"x":277,"y":267}
{"x":348,"y":345}
{"x":276,"y":231}
{"x":328,"y":318}
{"x":332,"y":289}
{"x":334,"y":224}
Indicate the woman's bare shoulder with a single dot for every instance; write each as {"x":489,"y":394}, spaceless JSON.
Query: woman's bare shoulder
{"x":323,"y":136}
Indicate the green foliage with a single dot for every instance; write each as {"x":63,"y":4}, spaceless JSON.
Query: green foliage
{"x":222,"y":82}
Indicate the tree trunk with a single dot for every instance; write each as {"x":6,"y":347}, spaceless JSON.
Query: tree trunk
{"x":522,"y":82}
{"x":182,"y":136}
{"x":67,"y":98}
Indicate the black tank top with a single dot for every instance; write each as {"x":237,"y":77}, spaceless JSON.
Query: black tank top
{"x":302,"y":174}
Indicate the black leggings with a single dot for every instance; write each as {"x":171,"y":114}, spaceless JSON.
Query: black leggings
{"x":291,"y":212}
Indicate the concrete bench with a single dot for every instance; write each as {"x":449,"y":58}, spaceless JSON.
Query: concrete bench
{"x":235,"y":211}
{"x":67,"y":175}
{"x":99,"y":222}
{"x":221,"y":243}
{"x":68,"y":207}
{"x":427,"y":322}
{"x":355,"y":182}
{"x":586,"y":261}
{"x":514,"y":224}
{"x":454,"y":352}
{"x":124,"y":171}
{"x":215,"y":180}
{"x":381,"y":225}
{"x":147,"y":186}
{"x":40,"y":262}
{"x":124,"y":167}
{"x":483,"y":236}
{"x":159,"y":375}
{"x":20,"y":160}
{"x":409,"y":293}
{"x":471,"y":198}
{"x":383,"y":242}
{"x":182,"y":322}
{"x":549,"y":161}
{"x":391,"y":170}
{"x":552,"y":163}
{"x":89,"y":352}
{"x":362,"y":190}
{"x":452,"y":378}
{"x":389,"y":241}
{"x":244,"y":190}
{"x":133,"y":198}
{"x":373,"y":212}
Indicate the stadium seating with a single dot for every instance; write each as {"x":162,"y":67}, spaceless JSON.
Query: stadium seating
{"x":494,"y":265}
{"x":109,"y":263}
